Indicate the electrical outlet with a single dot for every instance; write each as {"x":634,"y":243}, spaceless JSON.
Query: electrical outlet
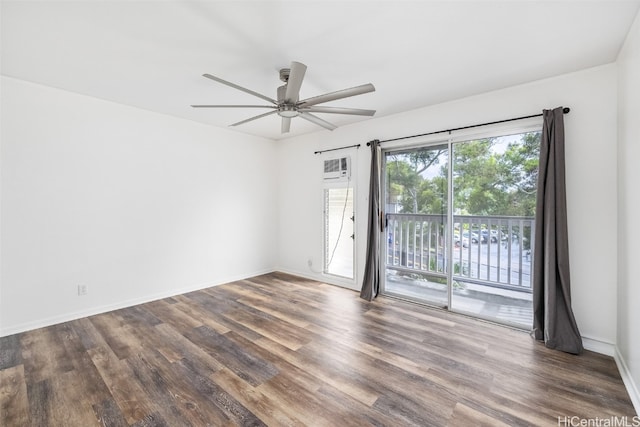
{"x":82,"y":290}
{"x":310,"y":262}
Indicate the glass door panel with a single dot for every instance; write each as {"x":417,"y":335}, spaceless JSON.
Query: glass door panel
{"x":338,"y":231}
{"x":416,"y":216}
{"x":494,"y":197}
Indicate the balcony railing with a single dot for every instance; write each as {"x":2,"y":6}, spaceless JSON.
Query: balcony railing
{"x":487,"y":250}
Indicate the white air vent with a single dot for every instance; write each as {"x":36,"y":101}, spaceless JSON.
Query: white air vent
{"x":337,"y":169}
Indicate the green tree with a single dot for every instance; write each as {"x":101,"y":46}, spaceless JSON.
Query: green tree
{"x":408,"y":185}
{"x":432,"y":196}
{"x":488,"y":181}
{"x":489,"y":178}
{"x":403,"y":183}
{"x":519,"y":165}
{"x":476,"y":186}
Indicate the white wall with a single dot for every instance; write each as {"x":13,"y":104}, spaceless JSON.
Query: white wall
{"x":628,"y":210}
{"x":133,"y":204}
{"x":591,"y":134}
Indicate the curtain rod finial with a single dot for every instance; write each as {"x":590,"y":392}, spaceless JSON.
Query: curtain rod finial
{"x":565,"y":110}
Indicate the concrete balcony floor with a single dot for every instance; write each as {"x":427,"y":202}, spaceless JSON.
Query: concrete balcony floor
{"x":505,"y":306}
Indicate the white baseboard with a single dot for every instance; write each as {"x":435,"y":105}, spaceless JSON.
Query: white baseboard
{"x":610,"y":349}
{"x":599,"y":346}
{"x":41,"y":323}
{"x":311,"y":275}
{"x":321,"y":277}
{"x":629,"y":383}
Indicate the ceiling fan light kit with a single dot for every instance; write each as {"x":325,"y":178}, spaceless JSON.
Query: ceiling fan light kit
{"x":287,"y":110}
{"x":288,"y":104}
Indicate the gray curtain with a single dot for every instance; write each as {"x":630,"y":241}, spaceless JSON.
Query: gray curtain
{"x":553,"y":320}
{"x":371,"y":280}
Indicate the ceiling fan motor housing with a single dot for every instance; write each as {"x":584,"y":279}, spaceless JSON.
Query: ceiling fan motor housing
{"x":284,"y":109}
{"x":284,"y":74}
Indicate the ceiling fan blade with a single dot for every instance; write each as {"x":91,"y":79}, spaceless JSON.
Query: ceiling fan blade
{"x":254,"y":118}
{"x":317,"y":120}
{"x":244,"y":89}
{"x":234,"y":106}
{"x":296,"y":75}
{"x":286,"y":125}
{"x":339,"y":110}
{"x":332,"y":96}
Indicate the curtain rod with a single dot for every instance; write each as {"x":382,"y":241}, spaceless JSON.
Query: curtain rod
{"x":339,"y":148}
{"x":565,"y":110}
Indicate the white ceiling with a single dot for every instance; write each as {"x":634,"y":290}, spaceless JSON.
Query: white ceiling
{"x":152,"y":54}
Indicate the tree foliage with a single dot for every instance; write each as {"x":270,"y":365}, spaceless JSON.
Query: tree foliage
{"x":410,"y":186}
{"x":489,"y":177}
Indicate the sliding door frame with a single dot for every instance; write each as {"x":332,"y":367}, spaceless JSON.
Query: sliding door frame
{"x":533,"y":124}
{"x":436,"y":140}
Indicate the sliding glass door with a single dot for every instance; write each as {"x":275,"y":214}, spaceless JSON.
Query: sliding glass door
{"x":460,"y":224}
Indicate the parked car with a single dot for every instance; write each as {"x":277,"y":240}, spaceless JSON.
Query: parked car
{"x":489,"y":236}
{"x":472,"y":237}
{"x":457,"y":241}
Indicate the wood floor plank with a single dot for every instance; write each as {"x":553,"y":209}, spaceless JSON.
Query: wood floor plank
{"x":90,"y":384}
{"x":109,"y":414}
{"x":271,"y":327}
{"x":170,"y":313}
{"x":14,"y":404}
{"x":42,"y":356}
{"x":177,"y":347}
{"x":68,"y":392}
{"x":40,"y":396}
{"x":88,"y":334}
{"x":166,"y":399}
{"x":281,"y":350}
{"x":257,"y":297}
{"x":269,"y":409}
{"x":218,"y":398}
{"x":117,"y":375}
{"x":210,"y":304}
{"x":178,"y":391}
{"x":310,"y":408}
{"x":465,"y":416}
{"x":151,"y":420}
{"x":241,"y":361}
{"x":110,"y":327}
{"x":10,"y":351}
{"x":344,"y":406}
{"x":508,"y":411}
{"x":138,"y":316}
{"x":316,"y":367}
{"x":200,"y":314}
{"x":276,"y":311}
{"x":367,"y":369}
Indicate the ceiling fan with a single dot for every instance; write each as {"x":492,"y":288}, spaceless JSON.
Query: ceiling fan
{"x":289,"y":106}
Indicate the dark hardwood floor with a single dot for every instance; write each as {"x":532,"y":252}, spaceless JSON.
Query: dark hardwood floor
{"x":279,"y":350}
